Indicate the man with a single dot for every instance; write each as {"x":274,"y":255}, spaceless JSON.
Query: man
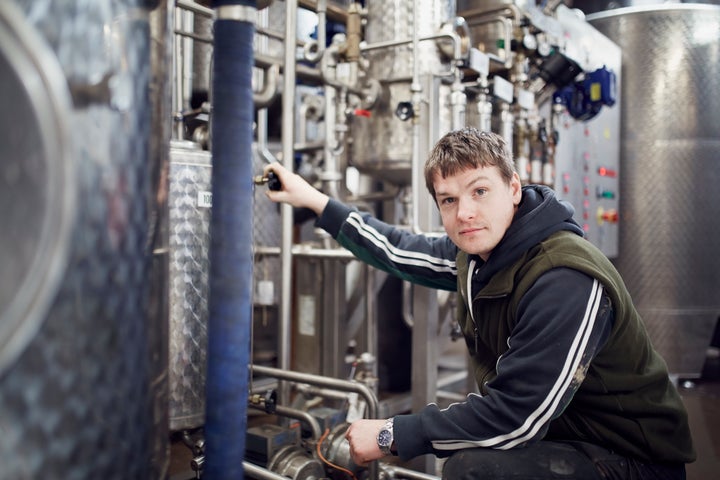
{"x":570,"y":385}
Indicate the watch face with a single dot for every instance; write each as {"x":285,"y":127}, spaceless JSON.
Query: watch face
{"x":384,"y":438}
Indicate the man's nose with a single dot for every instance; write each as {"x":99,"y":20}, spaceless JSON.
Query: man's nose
{"x":465,"y":209}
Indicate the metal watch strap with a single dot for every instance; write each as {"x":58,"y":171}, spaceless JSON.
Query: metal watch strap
{"x":386,"y":437}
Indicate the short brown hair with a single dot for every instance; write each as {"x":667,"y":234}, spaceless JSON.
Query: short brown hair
{"x":467,"y":148}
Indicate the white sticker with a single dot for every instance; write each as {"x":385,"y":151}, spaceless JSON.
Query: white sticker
{"x":204,"y":199}
{"x":526,"y":99}
{"x":306,"y":315}
{"x":479,"y":61}
{"x":502,"y":89}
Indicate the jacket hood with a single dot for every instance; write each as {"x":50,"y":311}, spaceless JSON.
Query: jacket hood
{"x":539,"y":215}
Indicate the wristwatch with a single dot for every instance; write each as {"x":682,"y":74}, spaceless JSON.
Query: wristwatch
{"x":385,"y":437}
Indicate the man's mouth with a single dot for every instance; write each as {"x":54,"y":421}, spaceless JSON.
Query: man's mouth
{"x":468,"y":231}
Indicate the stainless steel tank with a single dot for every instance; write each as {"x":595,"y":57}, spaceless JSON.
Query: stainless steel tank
{"x":82,"y":366}
{"x":189,"y":203}
{"x":670,"y":171}
{"x":383,"y":143}
{"x":189,"y":242}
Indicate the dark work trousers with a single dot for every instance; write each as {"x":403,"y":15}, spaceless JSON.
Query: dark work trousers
{"x":554,"y":460}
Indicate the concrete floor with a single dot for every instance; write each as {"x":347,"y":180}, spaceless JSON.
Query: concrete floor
{"x":702,"y":400}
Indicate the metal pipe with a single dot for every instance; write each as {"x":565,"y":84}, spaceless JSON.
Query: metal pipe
{"x":314,"y":50}
{"x":457,"y":44}
{"x":371,"y":321}
{"x":333,"y":12}
{"x":298,"y":415}
{"x":231,"y":259}
{"x":400,"y":472}
{"x":195,"y":8}
{"x":262,"y":114}
{"x":416,"y":90}
{"x":328,"y":63}
{"x":266,"y":96}
{"x":253,"y":471}
{"x":458,"y":102}
{"x":307,"y":252}
{"x":343,"y":385}
{"x":303,"y":72}
{"x":407,"y":313}
{"x":309,"y":390}
{"x":194,"y":36}
{"x":329,"y":382}
{"x":286,"y":212}
{"x":262,"y":139}
{"x":181,"y":59}
{"x":322,"y":26}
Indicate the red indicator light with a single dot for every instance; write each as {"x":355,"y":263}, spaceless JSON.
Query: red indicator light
{"x":606,"y":172}
{"x":610,"y":216}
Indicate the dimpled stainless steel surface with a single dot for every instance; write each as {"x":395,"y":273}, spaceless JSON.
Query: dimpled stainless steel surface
{"x":383,"y":142}
{"x":190,"y":179}
{"x":670,"y":170}
{"x":78,"y":402}
{"x":37,"y":180}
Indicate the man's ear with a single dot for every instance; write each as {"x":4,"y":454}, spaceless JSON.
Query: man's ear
{"x":516,"y":187}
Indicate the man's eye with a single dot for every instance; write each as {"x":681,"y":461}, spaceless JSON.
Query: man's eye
{"x":447,"y":201}
{"x":481,"y":191}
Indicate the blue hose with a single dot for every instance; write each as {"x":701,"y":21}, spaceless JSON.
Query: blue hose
{"x":231,"y":257}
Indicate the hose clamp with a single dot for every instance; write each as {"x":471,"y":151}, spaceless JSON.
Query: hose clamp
{"x":239,"y":13}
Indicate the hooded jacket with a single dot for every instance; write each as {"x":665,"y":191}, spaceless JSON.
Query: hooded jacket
{"x":558,"y":349}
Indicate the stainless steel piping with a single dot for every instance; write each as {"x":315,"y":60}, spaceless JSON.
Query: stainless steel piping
{"x":265,"y":97}
{"x":302,"y":251}
{"x":253,"y":471}
{"x":329,"y":382}
{"x":262,"y":142}
{"x":297,"y":415}
{"x":195,"y":8}
{"x":310,"y":390}
{"x":286,"y":212}
{"x":399,"y":472}
{"x":416,"y":90}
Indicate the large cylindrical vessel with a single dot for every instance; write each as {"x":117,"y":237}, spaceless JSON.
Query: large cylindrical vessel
{"x":82,"y":366}
{"x":670,"y":203}
{"x":383,"y":143}
{"x":189,"y":244}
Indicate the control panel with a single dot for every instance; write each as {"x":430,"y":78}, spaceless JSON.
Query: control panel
{"x":587,"y":174}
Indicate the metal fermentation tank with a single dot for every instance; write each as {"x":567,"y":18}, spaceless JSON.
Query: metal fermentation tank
{"x":189,"y":205}
{"x":82,"y":134}
{"x":382,"y":144}
{"x":670,"y":171}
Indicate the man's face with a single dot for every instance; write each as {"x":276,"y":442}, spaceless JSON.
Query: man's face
{"x":477,"y":207}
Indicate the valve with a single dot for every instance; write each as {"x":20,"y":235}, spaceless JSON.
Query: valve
{"x":268,"y":401}
{"x":405,"y":111}
{"x":272,"y":181}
